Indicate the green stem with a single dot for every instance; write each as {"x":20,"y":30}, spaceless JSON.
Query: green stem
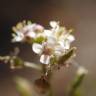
{"x":32,"y":65}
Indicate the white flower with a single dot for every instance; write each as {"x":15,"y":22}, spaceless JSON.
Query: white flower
{"x":18,"y":37}
{"x":30,"y":30}
{"x":63,"y":37}
{"x":44,"y":51}
{"x":37,"y":48}
{"x":66,"y":40}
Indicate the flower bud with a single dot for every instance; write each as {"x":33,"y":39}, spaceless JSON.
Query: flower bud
{"x":41,"y":85}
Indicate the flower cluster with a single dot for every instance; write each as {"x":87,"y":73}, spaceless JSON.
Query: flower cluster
{"x":53,"y":45}
{"x":50,"y":43}
{"x":25,"y":30}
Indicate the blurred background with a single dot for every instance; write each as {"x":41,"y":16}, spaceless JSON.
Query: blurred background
{"x":77,"y":14}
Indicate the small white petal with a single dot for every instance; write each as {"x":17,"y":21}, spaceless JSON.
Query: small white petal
{"x":58,"y":50}
{"x":18,"y":37}
{"x":19,"y":34}
{"x":48,"y":33}
{"x":51,"y":40}
{"x":28,"y":28}
{"x":45,"y":59}
{"x":65,"y":44}
{"x":37,"y":48}
{"x":71,"y":38}
{"x":38,"y":27}
{"x":53,"y":24}
{"x":31,"y":34}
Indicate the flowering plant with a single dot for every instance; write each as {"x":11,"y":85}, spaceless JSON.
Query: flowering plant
{"x":53,"y":45}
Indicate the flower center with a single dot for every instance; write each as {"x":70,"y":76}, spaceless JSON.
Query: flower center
{"x":47,"y":50}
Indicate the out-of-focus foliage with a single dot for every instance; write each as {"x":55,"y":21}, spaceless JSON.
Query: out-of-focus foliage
{"x":75,"y":87}
{"x":23,"y":86}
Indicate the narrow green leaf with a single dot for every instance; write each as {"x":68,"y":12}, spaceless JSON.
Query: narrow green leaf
{"x":67,"y":56}
{"x":77,"y":82}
